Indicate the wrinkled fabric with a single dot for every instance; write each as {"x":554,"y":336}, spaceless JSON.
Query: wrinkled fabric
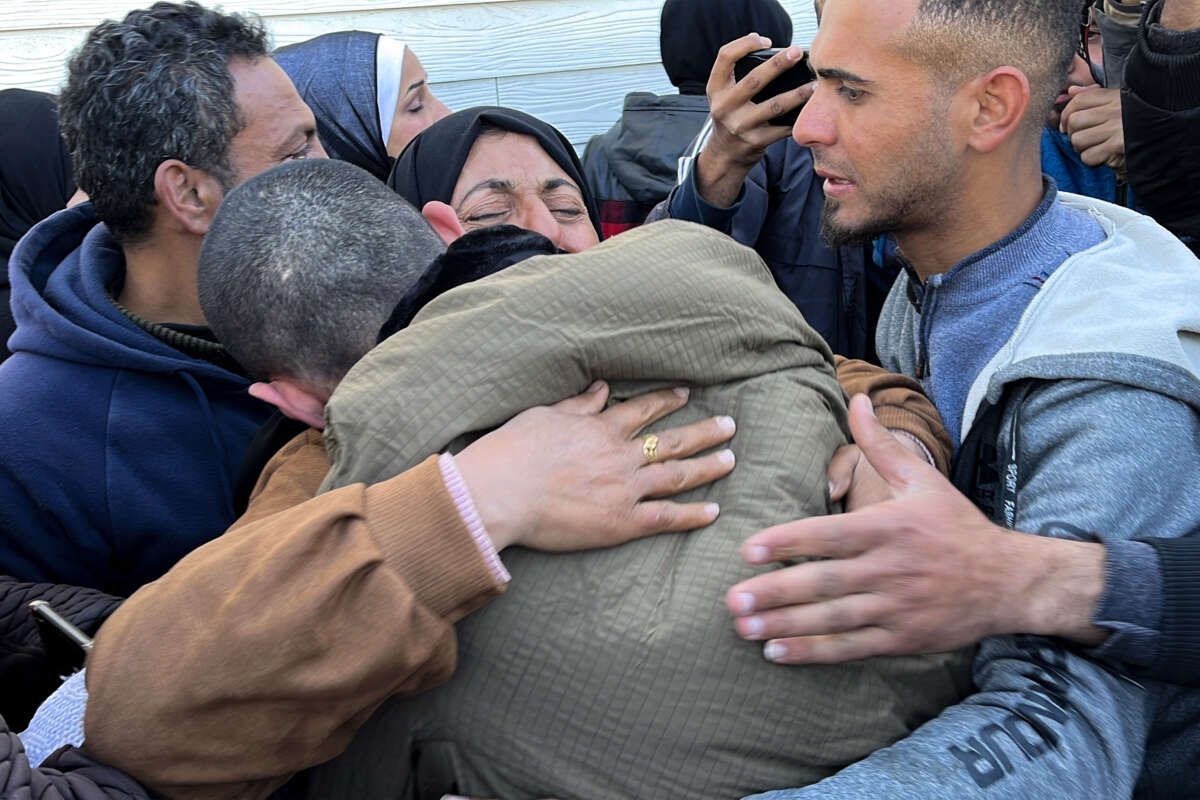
{"x":123,"y":449}
{"x":616,"y":673}
{"x":58,"y":721}
{"x":28,"y":671}
{"x":1070,"y":416}
{"x":692,"y":31}
{"x":70,"y":774}
{"x":35,"y":178}
{"x":336,"y":75}
{"x":428,"y":168}
{"x":1160,"y":110}
{"x":472,"y":256}
{"x":631,"y":167}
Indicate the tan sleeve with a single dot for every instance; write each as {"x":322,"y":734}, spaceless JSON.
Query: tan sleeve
{"x":262,"y":652}
{"x":900,"y":404}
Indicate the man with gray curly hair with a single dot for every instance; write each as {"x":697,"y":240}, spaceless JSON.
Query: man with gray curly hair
{"x":132,"y":417}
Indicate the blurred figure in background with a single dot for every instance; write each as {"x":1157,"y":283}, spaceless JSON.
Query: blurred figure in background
{"x":368,"y":93}
{"x":632,"y":167}
{"x":35,"y":178}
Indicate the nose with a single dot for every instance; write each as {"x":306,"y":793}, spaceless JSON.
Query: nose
{"x":318,"y":150}
{"x":536,"y":216}
{"x":814,"y":125}
{"x":438,"y":109}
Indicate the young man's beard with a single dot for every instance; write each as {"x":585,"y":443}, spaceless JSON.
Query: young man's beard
{"x":836,"y":234}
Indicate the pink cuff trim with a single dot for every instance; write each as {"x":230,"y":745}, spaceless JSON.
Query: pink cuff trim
{"x":920,"y":444}
{"x":470,"y":517}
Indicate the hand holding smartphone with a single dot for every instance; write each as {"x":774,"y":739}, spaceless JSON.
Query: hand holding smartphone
{"x":793,"y":78}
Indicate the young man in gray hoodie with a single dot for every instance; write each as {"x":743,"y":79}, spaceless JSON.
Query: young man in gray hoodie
{"x":1057,"y":336}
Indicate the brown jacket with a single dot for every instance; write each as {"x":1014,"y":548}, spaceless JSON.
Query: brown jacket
{"x":263,"y":651}
{"x":222,"y":678}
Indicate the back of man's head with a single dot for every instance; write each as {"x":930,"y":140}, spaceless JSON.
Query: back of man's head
{"x":152,"y":87}
{"x":959,"y":39}
{"x":303,"y":263}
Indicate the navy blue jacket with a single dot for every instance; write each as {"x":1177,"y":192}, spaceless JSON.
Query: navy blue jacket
{"x":117,"y":451}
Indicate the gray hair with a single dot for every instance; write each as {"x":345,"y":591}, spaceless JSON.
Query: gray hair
{"x":152,"y":87}
{"x":304,"y":263}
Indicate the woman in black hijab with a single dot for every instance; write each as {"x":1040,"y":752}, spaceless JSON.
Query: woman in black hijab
{"x":368,"y":92}
{"x":491,"y":166}
{"x":35,"y":178}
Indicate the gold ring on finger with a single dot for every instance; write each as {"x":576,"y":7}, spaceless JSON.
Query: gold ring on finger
{"x":650,"y":448}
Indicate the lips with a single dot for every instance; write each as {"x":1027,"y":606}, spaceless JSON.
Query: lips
{"x":835,"y":185}
{"x":831,"y":177}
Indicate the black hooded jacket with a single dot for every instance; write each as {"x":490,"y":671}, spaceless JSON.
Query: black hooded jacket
{"x":35,"y":178}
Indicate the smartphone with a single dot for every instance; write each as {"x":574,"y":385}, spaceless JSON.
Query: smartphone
{"x":800,"y":74}
{"x":66,"y":645}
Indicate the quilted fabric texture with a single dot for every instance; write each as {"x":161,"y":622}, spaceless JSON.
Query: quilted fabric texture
{"x":617,"y":673}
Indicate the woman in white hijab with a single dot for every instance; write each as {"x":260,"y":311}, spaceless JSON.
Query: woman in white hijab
{"x":368,"y":92}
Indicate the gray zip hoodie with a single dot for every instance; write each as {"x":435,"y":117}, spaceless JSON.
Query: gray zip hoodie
{"x":1098,"y":395}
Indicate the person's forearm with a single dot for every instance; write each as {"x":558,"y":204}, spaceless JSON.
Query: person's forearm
{"x":349,"y":598}
{"x":1057,"y":586}
{"x":718,"y":180}
{"x":1180,"y":15}
{"x":900,"y":405}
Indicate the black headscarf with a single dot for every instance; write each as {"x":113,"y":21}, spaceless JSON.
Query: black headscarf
{"x":35,"y":167}
{"x":692,"y":31}
{"x":336,"y":76}
{"x":429,"y":167}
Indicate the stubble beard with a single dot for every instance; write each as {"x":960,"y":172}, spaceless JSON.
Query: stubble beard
{"x":915,"y":194}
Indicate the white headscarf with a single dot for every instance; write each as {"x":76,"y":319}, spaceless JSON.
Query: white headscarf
{"x":389,"y":71}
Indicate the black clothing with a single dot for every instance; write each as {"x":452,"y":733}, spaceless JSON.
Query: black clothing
{"x":428,"y":168}
{"x":692,"y":31}
{"x":631,"y":168}
{"x":28,"y":674}
{"x":35,"y":178}
{"x":336,"y":76}
{"x":68,"y":774}
{"x":472,"y":256}
{"x":1160,"y":111}
{"x":1178,"y":656}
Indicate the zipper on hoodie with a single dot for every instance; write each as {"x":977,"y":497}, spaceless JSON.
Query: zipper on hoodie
{"x":929,"y":301}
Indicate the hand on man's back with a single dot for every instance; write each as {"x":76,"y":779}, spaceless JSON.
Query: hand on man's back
{"x":571,"y":476}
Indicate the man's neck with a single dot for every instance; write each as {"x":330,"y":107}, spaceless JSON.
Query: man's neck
{"x":160,"y":280}
{"x":982,"y":217}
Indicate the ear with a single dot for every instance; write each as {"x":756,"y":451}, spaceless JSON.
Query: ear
{"x":444,"y":220}
{"x":188,"y":196}
{"x":997,"y":103}
{"x":293,"y":400}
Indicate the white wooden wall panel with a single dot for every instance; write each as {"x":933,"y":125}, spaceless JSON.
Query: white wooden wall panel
{"x":570,"y":62}
{"x":467,"y":94}
{"x":35,"y":14}
{"x":581,"y":104}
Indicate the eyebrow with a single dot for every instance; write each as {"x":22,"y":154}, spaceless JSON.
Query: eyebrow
{"x":495,"y":184}
{"x":843,"y":75}
{"x":298,"y":137}
{"x":560,"y":183}
{"x":414,"y":86}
